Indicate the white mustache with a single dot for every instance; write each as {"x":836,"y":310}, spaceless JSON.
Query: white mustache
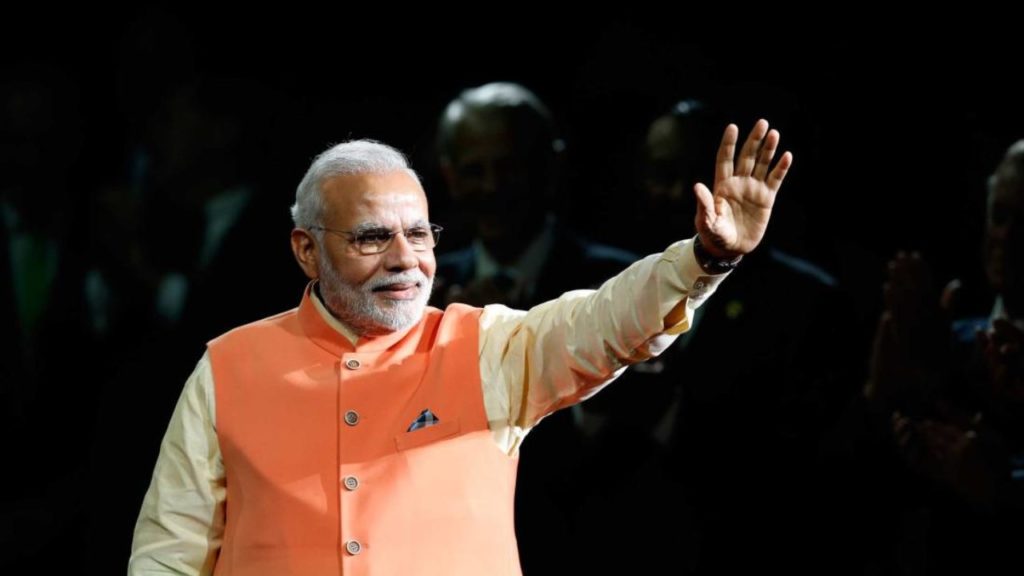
{"x":410,"y":277}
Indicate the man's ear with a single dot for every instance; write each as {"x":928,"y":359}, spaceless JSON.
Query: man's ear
{"x":305,"y":248}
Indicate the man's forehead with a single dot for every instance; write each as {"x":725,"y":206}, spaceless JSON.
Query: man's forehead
{"x":375,"y":197}
{"x":368,"y":182}
{"x":383,"y":188}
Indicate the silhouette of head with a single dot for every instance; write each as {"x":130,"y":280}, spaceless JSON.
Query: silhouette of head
{"x":675,"y":155}
{"x":499,"y":155}
{"x":1004,"y":230}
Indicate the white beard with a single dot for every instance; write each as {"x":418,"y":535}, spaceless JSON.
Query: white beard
{"x":358,"y":307}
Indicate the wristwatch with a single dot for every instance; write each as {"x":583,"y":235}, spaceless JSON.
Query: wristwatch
{"x":709,"y":263}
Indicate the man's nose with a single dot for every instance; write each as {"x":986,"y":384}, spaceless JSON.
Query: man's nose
{"x":400,"y":255}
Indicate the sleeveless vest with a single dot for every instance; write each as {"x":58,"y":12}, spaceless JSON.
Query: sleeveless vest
{"x":366,"y":459}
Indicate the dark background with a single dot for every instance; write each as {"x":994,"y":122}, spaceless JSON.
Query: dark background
{"x":894,"y":128}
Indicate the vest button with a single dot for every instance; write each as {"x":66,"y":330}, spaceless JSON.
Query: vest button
{"x":351,"y":483}
{"x":352,"y":364}
{"x":353,"y":547}
{"x":351,"y":418}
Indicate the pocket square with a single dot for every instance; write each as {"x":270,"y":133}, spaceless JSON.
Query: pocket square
{"x":426,"y":418}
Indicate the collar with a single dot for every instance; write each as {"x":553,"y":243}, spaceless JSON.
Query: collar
{"x":999,"y":311}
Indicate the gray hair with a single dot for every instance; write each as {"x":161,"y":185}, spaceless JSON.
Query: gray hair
{"x":352,"y":157}
{"x":1009,"y":171}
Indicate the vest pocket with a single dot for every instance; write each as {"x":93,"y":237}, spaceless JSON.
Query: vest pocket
{"x":444,"y":429}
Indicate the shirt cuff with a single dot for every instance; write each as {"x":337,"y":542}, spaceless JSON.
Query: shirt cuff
{"x":689,"y":280}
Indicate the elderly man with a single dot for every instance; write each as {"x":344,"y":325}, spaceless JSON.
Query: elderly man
{"x":364,"y":433}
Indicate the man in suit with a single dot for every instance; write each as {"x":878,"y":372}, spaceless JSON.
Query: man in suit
{"x":735,"y":442}
{"x":502,"y":159}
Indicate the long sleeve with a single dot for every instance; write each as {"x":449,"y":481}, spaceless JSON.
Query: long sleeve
{"x":565,"y":350}
{"x":180,"y":527}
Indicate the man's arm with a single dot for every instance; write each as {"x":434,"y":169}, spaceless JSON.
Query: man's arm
{"x":181,"y":524}
{"x":563,"y":351}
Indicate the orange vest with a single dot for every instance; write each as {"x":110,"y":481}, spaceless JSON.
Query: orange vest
{"x":323,"y":476}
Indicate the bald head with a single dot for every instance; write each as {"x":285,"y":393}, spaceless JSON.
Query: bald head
{"x":499,"y":156}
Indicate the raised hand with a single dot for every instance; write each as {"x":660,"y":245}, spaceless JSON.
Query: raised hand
{"x":732,"y":220}
{"x":970,"y":460}
{"x":1003,"y":353}
{"x":911,"y":354}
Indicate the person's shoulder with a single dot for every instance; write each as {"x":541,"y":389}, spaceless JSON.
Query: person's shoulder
{"x":597,"y":252}
{"x":964,"y":330}
{"x":578,"y":262}
{"x":800,"y":268}
{"x":456,"y":266}
{"x":782,"y":282}
{"x":573,"y":248}
{"x":455,"y":258}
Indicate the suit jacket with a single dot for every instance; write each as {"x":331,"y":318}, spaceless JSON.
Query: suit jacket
{"x":768,"y":366}
{"x":573,"y":263}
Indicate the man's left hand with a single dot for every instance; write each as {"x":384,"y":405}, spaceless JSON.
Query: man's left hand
{"x":732,"y":221}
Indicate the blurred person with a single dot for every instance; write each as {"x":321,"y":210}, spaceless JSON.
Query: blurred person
{"x":502,"y":159}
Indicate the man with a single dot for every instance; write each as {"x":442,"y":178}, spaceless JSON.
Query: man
{"x":727,"y":422}
{"x":501,"y":157}
{"x":357,"y":433}
{"x":949,"y":393}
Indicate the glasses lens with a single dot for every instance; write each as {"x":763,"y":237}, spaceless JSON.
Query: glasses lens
{"x":372,"y":241}
{"x":377,"y":241}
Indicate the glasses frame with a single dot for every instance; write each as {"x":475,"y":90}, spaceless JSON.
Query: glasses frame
{"x":352,"y":236}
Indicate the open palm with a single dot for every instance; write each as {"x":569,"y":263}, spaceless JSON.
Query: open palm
{"x":732,"y":220}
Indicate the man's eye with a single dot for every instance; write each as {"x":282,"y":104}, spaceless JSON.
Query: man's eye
{"x":417,"y":234}
{"x":375,"y":237}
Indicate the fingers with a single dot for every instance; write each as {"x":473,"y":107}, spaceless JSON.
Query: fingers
{"x":883,"y":366}
{"x":1005,"y":332}
{"x":755,"y":158}
{"x":705,"y":204}
{"x":777,"y":175}
{"x":909,"y":287}
{"x":748,"y":156}
{"x":726,"y":151}
{"x":764,"y":158}
{"x":1005,"y":340}
{"x":902,"y":431}
{"x":950,"y":298}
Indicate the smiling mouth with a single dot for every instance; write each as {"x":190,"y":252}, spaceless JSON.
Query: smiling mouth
{"x":396,"y":287}
{"x":400,"y":291}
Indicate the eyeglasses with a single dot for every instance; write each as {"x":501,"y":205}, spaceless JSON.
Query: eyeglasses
{"x":376,"y":240}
